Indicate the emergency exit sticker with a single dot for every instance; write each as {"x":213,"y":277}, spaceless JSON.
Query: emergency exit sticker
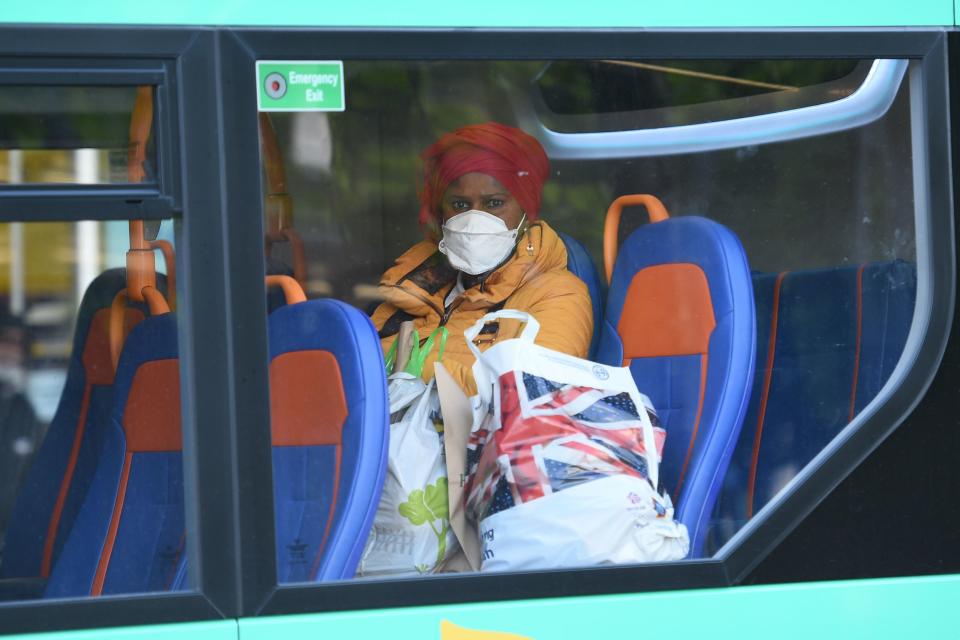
{"x":302,"y":85}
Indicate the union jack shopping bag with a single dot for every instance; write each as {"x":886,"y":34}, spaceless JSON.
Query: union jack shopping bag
{"x":563,"y":460}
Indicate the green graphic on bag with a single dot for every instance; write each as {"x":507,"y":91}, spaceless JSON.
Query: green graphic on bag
{"x":423,"y":507}
{"x":418,"y":352}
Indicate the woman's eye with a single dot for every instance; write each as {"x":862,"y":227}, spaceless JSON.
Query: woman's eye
{"x":460,"y":205}
{"x":494,"y":203}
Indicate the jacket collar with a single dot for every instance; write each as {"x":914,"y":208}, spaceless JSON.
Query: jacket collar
{"x":421,"y":278}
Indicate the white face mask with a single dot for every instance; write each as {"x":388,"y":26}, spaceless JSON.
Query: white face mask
{"x":476,"y":241}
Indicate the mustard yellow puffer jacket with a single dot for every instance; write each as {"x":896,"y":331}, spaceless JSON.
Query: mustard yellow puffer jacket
{"x":535,"y":280}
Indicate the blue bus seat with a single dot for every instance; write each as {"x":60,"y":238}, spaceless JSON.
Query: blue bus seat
{"x":680,"y":314}
{"x":58,"y":479}
{"x":580,"y":264}
{"x":827,"y":340}
{"x":129,"y":534}
{"x":329,"y":425}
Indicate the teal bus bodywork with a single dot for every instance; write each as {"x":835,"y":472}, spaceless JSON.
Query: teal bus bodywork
{"x":492,"y":13}
{"x":888,"y":608}
{"x":876,"y":609}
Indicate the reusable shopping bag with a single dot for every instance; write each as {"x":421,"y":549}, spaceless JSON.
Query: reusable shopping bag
{"x":563,"y":461}
{"x":411,"y":529}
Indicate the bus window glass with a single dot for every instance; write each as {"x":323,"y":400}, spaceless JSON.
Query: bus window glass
{"x":630,"y":94}
{"x":69,"y":135}
{"x":91,"y":492}
{"x":766,"y":170}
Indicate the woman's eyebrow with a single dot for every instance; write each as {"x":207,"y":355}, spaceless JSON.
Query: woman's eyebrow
{"x":487,"y":196}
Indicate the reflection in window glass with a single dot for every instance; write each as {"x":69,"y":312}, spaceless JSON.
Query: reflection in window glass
{"x":68,"y":135}
{"x":89,"y":416}
{"x":574,"y":87}
{"x":826,"y":224}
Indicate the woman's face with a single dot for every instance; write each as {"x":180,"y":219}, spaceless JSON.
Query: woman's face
{"x":483,"y":193}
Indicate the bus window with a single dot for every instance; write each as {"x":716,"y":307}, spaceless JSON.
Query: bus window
{"x":628,"y":94}
{"x":808,"y":163}
{"x":91,"y":492}
{"x":68,"y":135}
{"x":81,"y":414}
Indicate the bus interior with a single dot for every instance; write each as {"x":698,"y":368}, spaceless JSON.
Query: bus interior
{"x":809,"y":163}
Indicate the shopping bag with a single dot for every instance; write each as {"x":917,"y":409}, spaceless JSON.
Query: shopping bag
{"x":563,"y":461}
{"x":411,"y":529}
{"x":457,"y":419}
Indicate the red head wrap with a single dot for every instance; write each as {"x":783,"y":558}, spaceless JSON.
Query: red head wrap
{"x":508,"y":154}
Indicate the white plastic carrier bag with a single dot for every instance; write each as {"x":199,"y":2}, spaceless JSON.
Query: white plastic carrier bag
{"x":563,"y":461}
{"x":411,"y":529}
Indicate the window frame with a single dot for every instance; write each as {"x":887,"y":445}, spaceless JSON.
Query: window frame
{"x":932,"y":320}
{"x":188,"y":141}
{"x":36,"y":63}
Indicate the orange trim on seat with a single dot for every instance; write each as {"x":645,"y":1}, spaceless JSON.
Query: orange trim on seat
{"x":696,"y":424}
{"x":667,"y":311}
{"x":611,"y":224}
{"x":151,"y":419}
{"x":65,"y":483}
{"x":97,"y":371}
{"x":307,"y":402}
{"x":856,"y":357}
{"x":292,"y":290}
{"x":767,"y":377}
{"x":107,"y":550}
{"x":333,"y":509}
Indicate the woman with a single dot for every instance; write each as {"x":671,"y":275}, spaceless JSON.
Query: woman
{"x":482,"y":186}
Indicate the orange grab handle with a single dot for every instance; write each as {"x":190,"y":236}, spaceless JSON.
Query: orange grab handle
{"x":169,"y":260}
{"x":140,"y":123}
{"x":296,"y":247}
{"x":279,"y":203}
{"x":299,"y":255}
{"x":291,"y":288}
{"x":140,"y":260}
{"x":155,"y":302}
{"x":611,"y":226}
{"x":117,"y":316}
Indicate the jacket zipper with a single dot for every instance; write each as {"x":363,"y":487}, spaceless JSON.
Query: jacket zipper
{"x":449,"y":312}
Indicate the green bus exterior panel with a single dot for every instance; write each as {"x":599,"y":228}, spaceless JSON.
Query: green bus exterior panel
{"x":213,"y":630}
{"x":890,"y":608}
{"x":490,"y":13}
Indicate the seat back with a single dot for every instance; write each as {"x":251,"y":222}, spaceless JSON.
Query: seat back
{"x":60,"y":475}
{"x":580,"y":264}
{"x":129,"y":533}
{"x":329,"y":424}
{"x":680,"y":315}
{"x":827,"y":340}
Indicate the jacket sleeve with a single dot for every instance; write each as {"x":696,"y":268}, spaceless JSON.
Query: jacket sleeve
{"x":566,"y":318}
{"x":562,"y":307}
